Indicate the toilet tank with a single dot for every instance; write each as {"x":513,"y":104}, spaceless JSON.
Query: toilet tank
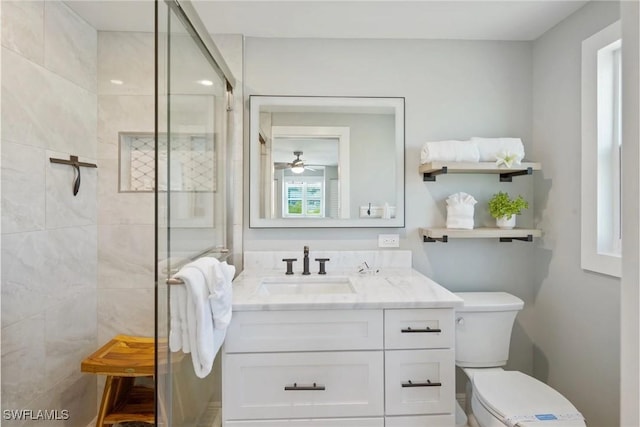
{"x":483,"y":328}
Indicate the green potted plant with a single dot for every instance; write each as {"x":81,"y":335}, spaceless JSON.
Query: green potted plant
{"x":504,"y":209}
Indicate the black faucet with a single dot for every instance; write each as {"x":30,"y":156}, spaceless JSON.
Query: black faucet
{"x":305,"y":262}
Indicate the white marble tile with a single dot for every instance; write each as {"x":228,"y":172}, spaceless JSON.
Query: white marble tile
{"x":23,"y":188}
{"x":339,"y":260}
{"x":42,"y":109}
{"x":123,"y":113}
{"x":44,"y":268}
{"x":188,"y":66}
{"x":23,"y":28}
{"x":77,"y":393}
{"x":126,"y":256}
{"x":70,"y":335}
{"x":70,"y":45}
{"x":238,"y":184}
{"x":75,"y":250}
{"x":23,"y":361}
{"x":125,"y":311}
{"x":107,"y":151}
{"x":121,"y":208}
{"x":238,"y":259}
{"x":23,"y":292}
{"x":80,"y":396}
{"x":63,"y":208}
{"x":129,"y":58}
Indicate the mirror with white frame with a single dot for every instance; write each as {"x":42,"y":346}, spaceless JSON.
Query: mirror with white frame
{"x":326,"y":161}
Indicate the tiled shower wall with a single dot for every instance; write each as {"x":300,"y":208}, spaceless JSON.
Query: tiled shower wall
{"x":125,"y":219}
{"x":49,"y":237}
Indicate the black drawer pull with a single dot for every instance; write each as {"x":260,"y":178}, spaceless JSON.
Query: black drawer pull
{"x":296,"y":387}
{"x":427,"y":329}
{"x":427,"y":384}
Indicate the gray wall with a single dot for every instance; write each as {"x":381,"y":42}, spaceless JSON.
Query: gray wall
{"x":630,"y":294}
{"x":453,"y":89}
{"x":49,"y":237}
{"x":576,"y":312}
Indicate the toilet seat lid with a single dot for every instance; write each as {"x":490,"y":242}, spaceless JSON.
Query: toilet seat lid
{"x":511,"y":394}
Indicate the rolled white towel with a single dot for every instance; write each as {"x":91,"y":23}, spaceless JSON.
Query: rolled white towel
{"x":449,"y":151}
{"x":490,"y":148}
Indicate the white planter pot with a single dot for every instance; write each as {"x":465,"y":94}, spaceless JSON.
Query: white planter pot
{"x":506,"y":224}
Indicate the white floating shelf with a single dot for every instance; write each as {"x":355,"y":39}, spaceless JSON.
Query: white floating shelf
{"x":432,"y":169}
{"x":444,"y":234}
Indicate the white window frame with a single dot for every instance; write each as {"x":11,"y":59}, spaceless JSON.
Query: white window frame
{"x":600,"y":202}
{"x":303,"y":182}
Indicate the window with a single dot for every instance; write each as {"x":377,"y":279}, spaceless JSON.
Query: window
{"x":601,"y":152}
{"x":303,"y":198}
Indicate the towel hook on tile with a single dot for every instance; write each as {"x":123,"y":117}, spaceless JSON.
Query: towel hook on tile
{"x":73,"y":161}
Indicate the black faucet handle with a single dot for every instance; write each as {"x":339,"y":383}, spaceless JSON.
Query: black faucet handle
{"x":322,"y":261}
{"x":289,"y":262}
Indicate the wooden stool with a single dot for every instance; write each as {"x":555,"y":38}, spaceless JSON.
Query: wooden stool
{"x":121,"y":360}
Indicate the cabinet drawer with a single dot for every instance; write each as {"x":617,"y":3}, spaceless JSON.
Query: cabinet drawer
{"x":418,"y":328}
{"x":281,"y":385}
{"x":264,"y":331}
{"x":421,"y":421}
{"x":419,"y":382}
{"x":325,"y":422}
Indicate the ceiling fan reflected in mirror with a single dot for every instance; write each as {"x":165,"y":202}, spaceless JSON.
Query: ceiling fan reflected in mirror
{"x":296,"y":166}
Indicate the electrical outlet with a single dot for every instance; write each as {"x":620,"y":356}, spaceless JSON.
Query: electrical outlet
{"x":388,"y":240}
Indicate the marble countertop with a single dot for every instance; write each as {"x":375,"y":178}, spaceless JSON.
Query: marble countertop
{"x":389,"y":288}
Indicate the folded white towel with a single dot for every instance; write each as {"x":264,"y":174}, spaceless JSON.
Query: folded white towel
{"x":491,"y":148}
{"x":461,"y":223}
{"x":208,"y":309}
{"x":460,"y":209}
{"x":449,"y":151}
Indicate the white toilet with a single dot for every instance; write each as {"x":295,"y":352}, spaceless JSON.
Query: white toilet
{"x":502,"y":398}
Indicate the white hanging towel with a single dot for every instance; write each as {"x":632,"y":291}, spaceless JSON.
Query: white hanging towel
{"x":208,"y":309}
{"x":460,"y":209}
{"x":179,"y":330}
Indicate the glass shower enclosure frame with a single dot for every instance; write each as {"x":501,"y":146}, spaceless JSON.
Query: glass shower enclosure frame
{"x":193,"y":104}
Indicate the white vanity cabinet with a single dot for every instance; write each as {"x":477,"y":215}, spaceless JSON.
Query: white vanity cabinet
{"x":304,"y":365}
{"x":342,"y":368}
{"x":419,"y":367}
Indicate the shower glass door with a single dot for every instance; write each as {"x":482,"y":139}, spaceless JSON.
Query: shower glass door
{"x":190,"y":203}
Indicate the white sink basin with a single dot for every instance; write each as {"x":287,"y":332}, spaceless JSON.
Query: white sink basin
{"x":312,"y":285}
